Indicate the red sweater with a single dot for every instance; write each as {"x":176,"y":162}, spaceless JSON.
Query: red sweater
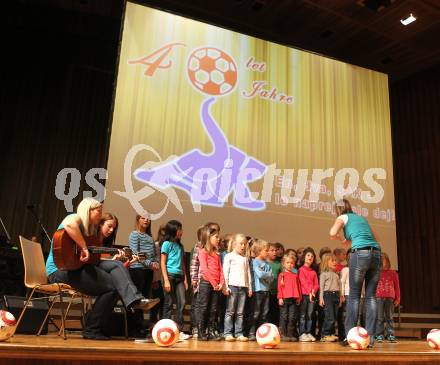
{"x":288,"y":285}
{"x":339,"y":267}
{"x":388,"y":286}
{"x":211,"y":267}
{"x":308,"y":280}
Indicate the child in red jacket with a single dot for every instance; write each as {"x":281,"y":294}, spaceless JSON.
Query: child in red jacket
{"x":388,"y":297}
{"x":289,"y":297}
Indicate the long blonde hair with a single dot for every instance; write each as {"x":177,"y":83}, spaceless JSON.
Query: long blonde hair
{"x":83,"y":210}
{"x":324,"y":266}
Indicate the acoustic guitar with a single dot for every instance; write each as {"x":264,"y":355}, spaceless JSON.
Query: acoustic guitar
{"x":66,"y":252}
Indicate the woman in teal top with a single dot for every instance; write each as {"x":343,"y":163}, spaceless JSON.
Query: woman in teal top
{"x":364,"y":264}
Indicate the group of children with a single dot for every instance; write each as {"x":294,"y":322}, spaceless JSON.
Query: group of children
{"x":239,"y":282}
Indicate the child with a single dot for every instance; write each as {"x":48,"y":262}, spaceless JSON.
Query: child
{"x":289,"y":297}
{"x":309,"y":286}
{"x":194,"y":276}
{"x":141,"y":272}
{"x":329,"y":295}
{"x":341,"y":257}
{"x":292,"y":254}
{"x":262,"y":279}
{"x":141,"y":241}
{"x":211,"y":284}
{"x":388,"y":297}
{"x":275,"y":264}
{"x":173,"y":272}
{"x":238,"y":285}
{"x":279,"y":248}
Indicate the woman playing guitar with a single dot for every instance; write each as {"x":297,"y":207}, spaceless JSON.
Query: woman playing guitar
{"x":107,"y":280}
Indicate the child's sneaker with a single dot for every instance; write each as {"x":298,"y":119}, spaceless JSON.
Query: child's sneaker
{"x":285,"y":338}
{"x":293,"y":339}
{"x":252,"y":338}
{"x":379,"y":339}
{"x":392,"y":338}
{"x":229,"y":338}
{"x":304,"y":338}
{"x":335,"y":338}
{"x":194,"y":332}
{"x":327,"y":339}
{"x":184,"y":336}
{"x":311,"y":337}
{"x":242,"y":338}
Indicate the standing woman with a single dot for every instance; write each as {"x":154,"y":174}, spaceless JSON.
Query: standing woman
{"x":141,"y":241}
{"x":365,"y":264}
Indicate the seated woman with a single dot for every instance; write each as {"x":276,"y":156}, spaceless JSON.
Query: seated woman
{"x":106,"y":280}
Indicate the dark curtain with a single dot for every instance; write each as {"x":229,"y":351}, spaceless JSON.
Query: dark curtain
{"x":415,"y":104}
{"x":55,"y":101}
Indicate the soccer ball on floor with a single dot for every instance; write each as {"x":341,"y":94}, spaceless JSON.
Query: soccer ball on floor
{"x":7,"y":325}
{"x":165,"y":333}
{"x":268,"y":336}
{"x":433,"y":339}
{"x":358,"y":338}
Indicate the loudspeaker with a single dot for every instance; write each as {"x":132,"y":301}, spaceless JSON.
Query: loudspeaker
{"x":116,"y":326}
{"x":33,"y":317}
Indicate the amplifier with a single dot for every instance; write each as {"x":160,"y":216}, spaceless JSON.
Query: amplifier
{"x":33,"y":317}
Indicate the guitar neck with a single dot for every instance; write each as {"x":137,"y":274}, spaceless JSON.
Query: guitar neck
{"x":97,"y":249}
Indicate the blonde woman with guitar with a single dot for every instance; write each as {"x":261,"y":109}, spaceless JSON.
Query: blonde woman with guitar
{"x":72,"y":261}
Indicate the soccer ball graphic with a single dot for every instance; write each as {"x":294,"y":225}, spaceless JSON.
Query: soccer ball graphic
{"x":7,"y":325}
{"x":433,"y":339}
{"x":358,"y":338}
{"x":212,"y":71}
{"x":165,"y":333}
{"x":268,"y":336}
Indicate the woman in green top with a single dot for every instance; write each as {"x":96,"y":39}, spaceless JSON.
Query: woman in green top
{"x":365,"y":264}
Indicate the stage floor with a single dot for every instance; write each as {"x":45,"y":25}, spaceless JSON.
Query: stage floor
{"x":25,"y":349}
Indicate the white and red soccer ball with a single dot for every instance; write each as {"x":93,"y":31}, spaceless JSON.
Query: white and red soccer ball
{"x":212,"y":71}
{"x":268,"y":336}
{"x":358,"y":338}
{"x":7,"y":325}
{"x":433,"y":339}
{"x":165,"y":333}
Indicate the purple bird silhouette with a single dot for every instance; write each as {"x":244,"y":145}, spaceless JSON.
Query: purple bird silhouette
{"x":209,"y":178}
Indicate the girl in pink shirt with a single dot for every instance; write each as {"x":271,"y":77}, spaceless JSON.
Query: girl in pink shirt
{"x":388,"y":297}
{"x":211,"y":284}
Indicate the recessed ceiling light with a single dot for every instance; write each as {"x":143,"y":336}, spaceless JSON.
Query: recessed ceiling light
{"x":408,"y":20}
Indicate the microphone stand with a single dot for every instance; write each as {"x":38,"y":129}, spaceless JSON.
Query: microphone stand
{"x":8,"y":236}
{"x":34,"y":213}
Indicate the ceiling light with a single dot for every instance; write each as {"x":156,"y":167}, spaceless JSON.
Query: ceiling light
{"x":408,"y":20}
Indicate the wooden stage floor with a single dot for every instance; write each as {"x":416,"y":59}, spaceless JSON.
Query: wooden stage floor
{"x":50,"y":349}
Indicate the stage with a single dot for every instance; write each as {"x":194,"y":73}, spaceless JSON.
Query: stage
{"x":50,"y":349}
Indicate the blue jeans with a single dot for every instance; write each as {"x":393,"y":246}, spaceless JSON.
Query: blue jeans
{"x":288,"y":317}
{"x":306,"y":315}
{"x":364,"y":265}
{"x":261,"y":309}
{"x":385,"y":314}
{"x":235,"y":307}
{"x":331,"y":305}
{"x":177,"y":295}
